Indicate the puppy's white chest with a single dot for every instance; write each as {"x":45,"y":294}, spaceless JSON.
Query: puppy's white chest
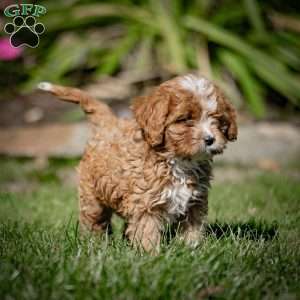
{"x":179,"y":195}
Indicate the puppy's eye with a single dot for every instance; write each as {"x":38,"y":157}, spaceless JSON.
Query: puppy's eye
{"x":184,"y":119}
{"x":223,"y":128}
{"x":215,"y":122}
{"x":181,"y":119}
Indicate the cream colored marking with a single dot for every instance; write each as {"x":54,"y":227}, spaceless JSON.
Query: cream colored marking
{"x":45,"y":86}
{"x":202,"y":87}
{"x":178,"y":195}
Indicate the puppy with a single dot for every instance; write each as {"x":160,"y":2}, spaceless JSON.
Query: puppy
{"x":155,"y":169}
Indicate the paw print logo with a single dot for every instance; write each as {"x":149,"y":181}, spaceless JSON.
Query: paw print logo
{"x":24,"y":31}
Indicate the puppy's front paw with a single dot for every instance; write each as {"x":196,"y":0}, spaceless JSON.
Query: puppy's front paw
{"x":145,"y":234}
{"x":193,"y":237}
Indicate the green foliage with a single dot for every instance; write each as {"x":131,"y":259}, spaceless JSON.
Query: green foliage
{"x":267,"y":68}
{"x":249,"y":85}
{"x":64,"y":55}
{"x":240,"y":38}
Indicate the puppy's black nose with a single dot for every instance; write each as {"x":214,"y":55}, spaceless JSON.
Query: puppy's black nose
{"x":209,"y":140}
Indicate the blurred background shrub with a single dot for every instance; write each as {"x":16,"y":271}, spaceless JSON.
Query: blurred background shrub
{"x":250,"y":47}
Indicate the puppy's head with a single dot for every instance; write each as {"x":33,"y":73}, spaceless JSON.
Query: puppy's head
{"x":187,"y":116}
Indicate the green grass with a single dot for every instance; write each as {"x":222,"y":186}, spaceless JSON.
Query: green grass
{"x":251,"y":250}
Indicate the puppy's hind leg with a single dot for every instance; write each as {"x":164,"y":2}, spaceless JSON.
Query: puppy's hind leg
{"x":93,"y":216}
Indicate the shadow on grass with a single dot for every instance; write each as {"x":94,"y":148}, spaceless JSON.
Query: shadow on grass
{"x":250,"y":230}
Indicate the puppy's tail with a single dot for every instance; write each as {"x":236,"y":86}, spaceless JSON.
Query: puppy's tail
{"x":96,"y":111}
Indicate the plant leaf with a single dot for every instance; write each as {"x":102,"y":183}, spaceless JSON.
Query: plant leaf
{"x":267,"y":68}
{"x":254,"y":14}
{"x":112,"y":60}
{"x":171,"y":34}
{"x":67,"y":53}
{"x":249,"y":85}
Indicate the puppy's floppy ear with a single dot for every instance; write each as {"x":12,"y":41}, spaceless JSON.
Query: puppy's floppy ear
{"x":232,"y":131}
{"x":151,"y":113}
{"x":229,"y":114}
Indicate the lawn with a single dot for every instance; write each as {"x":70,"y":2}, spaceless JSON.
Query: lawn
{"x":251,"y":250}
